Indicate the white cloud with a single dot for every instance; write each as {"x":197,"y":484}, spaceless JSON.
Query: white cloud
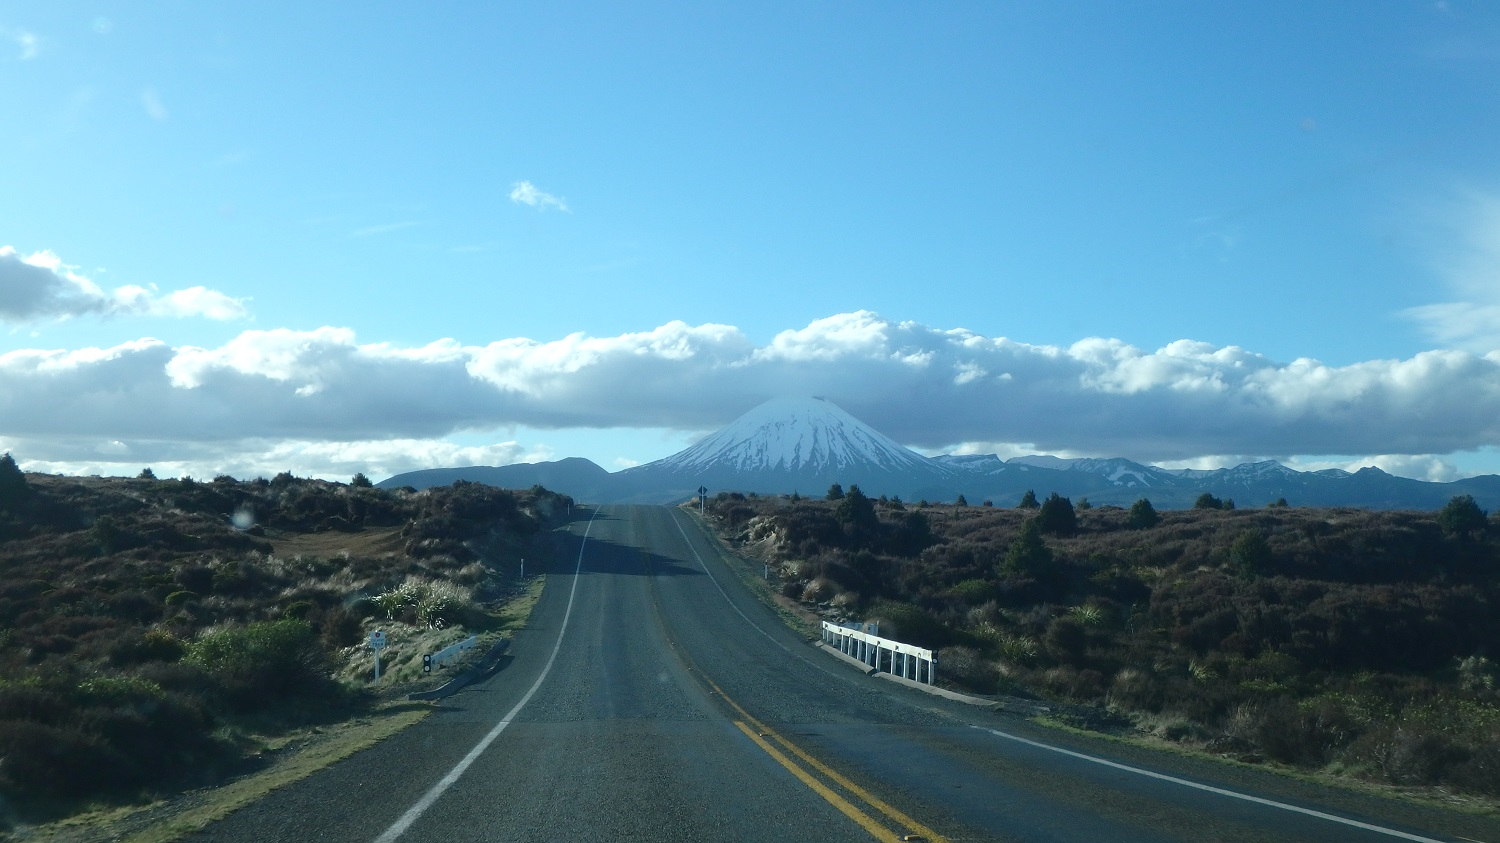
{"x":1471,"y":268}
{"x":326,"y":459}
{"x":41,"y":286}
{"x":526,"y":193}
{"x":284,"y":393}
{"x":1420,"y":466}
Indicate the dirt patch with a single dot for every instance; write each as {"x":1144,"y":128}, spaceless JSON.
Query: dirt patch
{"x":330,"y":544}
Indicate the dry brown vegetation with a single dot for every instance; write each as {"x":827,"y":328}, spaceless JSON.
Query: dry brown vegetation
{"x":1359,"y":642}
{"x":153,"y":632}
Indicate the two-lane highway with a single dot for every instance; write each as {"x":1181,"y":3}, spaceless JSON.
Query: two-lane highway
{"x":652,"y":697}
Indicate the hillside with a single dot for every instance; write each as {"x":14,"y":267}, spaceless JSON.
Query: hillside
{"x":1358,"y":642}
{"x":155,"y":634}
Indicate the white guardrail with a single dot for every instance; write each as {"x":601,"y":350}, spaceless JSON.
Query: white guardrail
{"x":884,"y":654}
{"x":448,"y":653}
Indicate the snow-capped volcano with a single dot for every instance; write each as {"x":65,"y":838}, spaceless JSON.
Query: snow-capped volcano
{"x":796,"y":434}
{"x":804,"y":444}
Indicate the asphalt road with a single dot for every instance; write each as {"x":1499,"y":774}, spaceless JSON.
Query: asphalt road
{"x":653,"y":698}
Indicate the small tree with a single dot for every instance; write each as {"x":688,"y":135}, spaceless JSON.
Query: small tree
{"x":1142,"y":515}
{"x":857,"y":513}
{"x":835,"y":493}
{"x":1462,"y":517}
{"x":13,"y":488}
{"x":1028,"y":555}
{"x":360,"y":481}
{"x":962,"y":501}
{"x":1207,"y":501}
{"x":146,"y":474}
{"x":1028,"y":500}
{"x":1057,"y":516}
{"x":1250,"y":553}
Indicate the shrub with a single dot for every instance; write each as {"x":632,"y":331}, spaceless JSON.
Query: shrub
{"x":1057,"y":516}
{"x":426,"y":602}
{"x":134,"y":646}
{"x":818,"y":590}
{"x":1208,"y":501}
{"x":974,"y":591}
{"x":1142,"y":515}
{"x":260,"y":663}
{"x":1018,"y":649}
{"x":1250,"y":554}
{"x":1027,"y":556}
{"x":910,"y":624}
{"x":1462,"y":517}
{"x":1481,"y":772}
{"x":13,"y":488}
{"x":1065,"y":639}
{"x":51,"y":761}
{"x":967,"y":668}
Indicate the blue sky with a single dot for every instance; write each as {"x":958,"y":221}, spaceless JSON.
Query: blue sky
{"x":335,"y":237}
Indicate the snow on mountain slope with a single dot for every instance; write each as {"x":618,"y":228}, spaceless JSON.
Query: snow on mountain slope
{"x":796,"y":435}
{"x":804,"y":445}
{"x":1120,"y":472}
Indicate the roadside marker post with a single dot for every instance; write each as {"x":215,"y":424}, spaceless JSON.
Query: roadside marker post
{"x":377,"y":643}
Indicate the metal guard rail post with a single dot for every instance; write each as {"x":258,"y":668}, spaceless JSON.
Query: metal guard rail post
{"x":884,"y":654}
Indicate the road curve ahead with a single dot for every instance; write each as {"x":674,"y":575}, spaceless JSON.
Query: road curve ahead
{"x":652,"y":698}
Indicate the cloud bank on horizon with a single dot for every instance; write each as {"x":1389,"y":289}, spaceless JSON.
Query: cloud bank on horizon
{"x":323,"y":403}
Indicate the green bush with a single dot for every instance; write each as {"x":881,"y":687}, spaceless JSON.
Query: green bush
{"x":262,"y":663}
{"x":134,"y":646}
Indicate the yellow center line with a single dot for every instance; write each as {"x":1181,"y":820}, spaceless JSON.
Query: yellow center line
{"x":868,"y":823}
{"x":834,"y":799}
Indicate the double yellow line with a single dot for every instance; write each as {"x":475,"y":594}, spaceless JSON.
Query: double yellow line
{"x":763,"y":736}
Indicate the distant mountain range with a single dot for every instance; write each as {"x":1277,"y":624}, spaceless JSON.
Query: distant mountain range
{"x":805,"y":445}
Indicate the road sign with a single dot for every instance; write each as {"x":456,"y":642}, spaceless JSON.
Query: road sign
{"x":377,"y":643}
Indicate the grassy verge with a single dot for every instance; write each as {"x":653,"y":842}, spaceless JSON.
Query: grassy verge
{"x":295,"y":756}
{"x":749,"y":570}
{"x":751,"y":573}
{"x":1423,"y":796}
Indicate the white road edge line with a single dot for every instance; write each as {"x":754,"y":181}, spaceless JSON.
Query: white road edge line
{"x":1211,"y":789}
{"x":413,"y":813}
{"x":715,"y":581}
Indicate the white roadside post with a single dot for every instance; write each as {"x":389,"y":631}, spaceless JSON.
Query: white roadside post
{"x":377,"y":643}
